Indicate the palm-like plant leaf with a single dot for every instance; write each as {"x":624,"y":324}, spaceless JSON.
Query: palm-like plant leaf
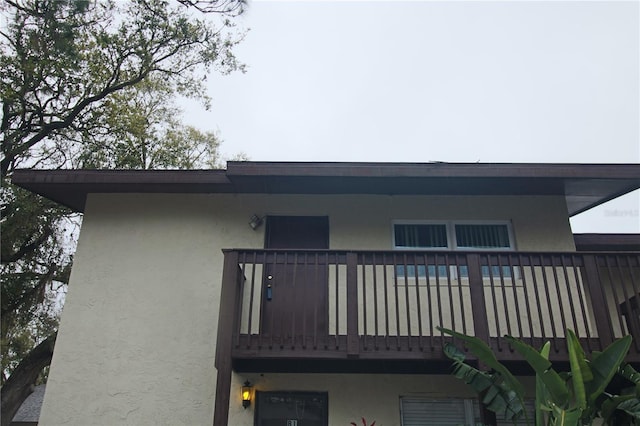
{"x":563,"y":417}
{"x":486,"y":355}
{"x":541,"y":391}
{"x":631,"y":374}
{"x":580,"y":371}
{"x":605,"y":365}
{"x":541,"y":365}
{"x":497,"y":396}
{"x":610,"y":405}
{"x":631,"y":407}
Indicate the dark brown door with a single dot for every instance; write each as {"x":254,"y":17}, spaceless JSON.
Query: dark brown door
{"x":294,"y":304}
{"x":291,"y":409}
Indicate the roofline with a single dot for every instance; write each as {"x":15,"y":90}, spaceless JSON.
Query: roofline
{"x":343,"y":169}
{"x":583,"y":185}
{"x":433,"y":169}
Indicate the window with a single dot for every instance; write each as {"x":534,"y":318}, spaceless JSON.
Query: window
{"x":281,"y":408}
{"x":422,"y":411}
{"x":452,"y":235}
{"x":416,"y":411}
{"x":482,"y":236}
{"x":489,"y":235}
{"x":420,"y":236}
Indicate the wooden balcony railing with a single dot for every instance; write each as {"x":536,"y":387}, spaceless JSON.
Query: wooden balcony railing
{"x":386,"y":305}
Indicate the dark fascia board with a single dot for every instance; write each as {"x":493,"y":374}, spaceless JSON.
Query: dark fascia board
{"x":583,"y":185}
{"x":433,"y":169}
{"x":607,"y":242}
{"x":71,"y":187}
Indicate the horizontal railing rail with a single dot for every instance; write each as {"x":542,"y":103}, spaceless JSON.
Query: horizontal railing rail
{"x":388,"y":304}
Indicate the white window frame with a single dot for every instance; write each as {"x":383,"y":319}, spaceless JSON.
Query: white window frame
{"x":450,"y":226}
{"x":471,"y":409}
{"x":419,"y":222}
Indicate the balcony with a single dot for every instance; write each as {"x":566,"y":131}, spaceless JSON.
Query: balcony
{"x":341,"y":310}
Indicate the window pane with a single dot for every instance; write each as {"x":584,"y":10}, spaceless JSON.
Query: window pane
{"x":420,"y":236}
{"x":410,"y":271}
{"x":482,"y":236}
{"x":495,"y":271}
{"x":438,"y":412}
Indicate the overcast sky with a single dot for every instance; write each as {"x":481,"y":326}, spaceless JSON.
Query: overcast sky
{"x":454,"y":81}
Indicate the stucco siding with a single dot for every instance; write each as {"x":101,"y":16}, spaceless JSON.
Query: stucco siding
{"x":137,"y":337}
{"x":353,"y":396}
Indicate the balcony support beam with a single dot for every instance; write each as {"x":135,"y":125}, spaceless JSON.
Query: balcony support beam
{"x":353,"y":341}
{"x":476,"y":288}
{"x":224,"y":343}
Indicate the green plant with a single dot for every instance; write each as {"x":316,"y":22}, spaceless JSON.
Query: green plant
{"x":576,"y":397}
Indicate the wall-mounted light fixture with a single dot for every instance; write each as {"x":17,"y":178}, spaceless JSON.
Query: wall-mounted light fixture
{"x":246,"y":394}
{"x":255,"y":221}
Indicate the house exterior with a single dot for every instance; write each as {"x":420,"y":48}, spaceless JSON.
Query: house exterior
{"x":321,"y":285}
{"x":29,"y":412}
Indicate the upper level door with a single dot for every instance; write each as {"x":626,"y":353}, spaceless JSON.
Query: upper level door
{"x":294,"y":304}
{"x":297,"y":232}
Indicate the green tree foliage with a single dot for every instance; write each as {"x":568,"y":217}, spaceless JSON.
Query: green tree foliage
{"x":63,"y":58}
{"x":139,"y":127}
{"x":92,"y":84}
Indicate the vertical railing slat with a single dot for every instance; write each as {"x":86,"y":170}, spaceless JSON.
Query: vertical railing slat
{"x":572,"y":303}
{"x":429,"y":301}
{"x":636,"y":296}
{"x":581,"y":296}
{"x":614,"y":283}
{"x":386,"y":302}
{"x":452,"y":311}
{"x":397,"y":301}
{"x":465,"y":326}
{"x":525,"y":291}
{"x":375,"y":302}
{"x":496,"y":315}
{"x":337,"y":302}
{"x":406,"y":298}
{"x":364,"y":303}
{"x":439,"y":297}
{"x":418,"y":304}
{"x":514,"y":288}
{"x":545,"y":282}
{"x":598,"y":301}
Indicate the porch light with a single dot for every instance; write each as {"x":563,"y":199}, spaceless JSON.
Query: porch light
{"x":246,"y":394}
{"x":255,"y":221}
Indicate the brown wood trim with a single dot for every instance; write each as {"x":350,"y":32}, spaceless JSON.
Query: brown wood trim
{"x":583,"y":185}
{"x":598,"y":302}
{"x":432,"y":169}
{"x":224,"y":344}
{"x":607,"y":242}
{"x":476,"y":288}
{"x":486,"y":287}
{"x":353,"y":343}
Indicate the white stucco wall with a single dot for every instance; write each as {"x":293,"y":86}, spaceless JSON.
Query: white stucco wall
{"x":137,"y":337}
{"x":375,"y":397}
